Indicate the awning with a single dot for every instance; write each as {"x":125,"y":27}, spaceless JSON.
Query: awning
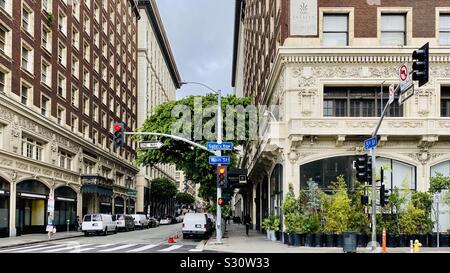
{"x":102,"y":191}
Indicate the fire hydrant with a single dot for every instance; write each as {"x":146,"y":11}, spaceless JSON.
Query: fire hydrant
{"x":417,"y":246}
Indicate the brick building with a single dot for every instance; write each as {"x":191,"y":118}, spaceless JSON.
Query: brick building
{"x":325,"y":66}
{"x":68,"y":72}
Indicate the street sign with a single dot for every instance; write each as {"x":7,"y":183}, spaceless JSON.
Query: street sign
{"x":150,"y":145}
{"x":370,"y":143}
{"x":406,"y":95}
{"x":225,"y":146}
{"x":406,"y":81}
{"x":391,"y":94}
{"x":215,"y":160}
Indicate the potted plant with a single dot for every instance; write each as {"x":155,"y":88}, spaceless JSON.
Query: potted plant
{"x":290,"y":208}
{"x":266,"y":226}
{"x":311,"y":229}
{"x":359,"y":221}
{"x":271,"y":224}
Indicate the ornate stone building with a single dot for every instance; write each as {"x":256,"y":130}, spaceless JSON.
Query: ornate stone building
{"x":158,"y":82}
{"x":68,"y":72}
{"x":324,"y":64}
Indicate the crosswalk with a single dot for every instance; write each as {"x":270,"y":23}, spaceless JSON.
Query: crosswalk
{"x":73,"y":247}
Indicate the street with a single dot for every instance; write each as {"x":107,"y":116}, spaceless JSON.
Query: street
{"x":153,"y":240}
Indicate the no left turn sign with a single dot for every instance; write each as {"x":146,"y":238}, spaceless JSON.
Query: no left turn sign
{"x":404,"y":73}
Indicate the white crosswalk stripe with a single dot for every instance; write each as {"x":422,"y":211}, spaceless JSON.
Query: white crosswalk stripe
{"x":82,"y":250}
{"x":175,"y":247}
{"x":117,"y":248}
{"x":196,"y":250}
{"x":39,"y":249}
{"x":107,"y":245}
{"x":142,"y":248}
{"x":20,"y":248}
{"x":65,"y":247}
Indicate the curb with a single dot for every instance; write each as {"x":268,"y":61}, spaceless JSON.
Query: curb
{"x":41,"y":241}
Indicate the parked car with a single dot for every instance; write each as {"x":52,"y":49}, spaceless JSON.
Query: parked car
{"x":153,"y":222}
{"x":179,"y":218}
{"x":98,"y":224}
{"x":165,"y":221}
{"x":140,"y":221}
{"x":213,"y":220}
{"x":125,"y":222}
{"x":196,"y":225}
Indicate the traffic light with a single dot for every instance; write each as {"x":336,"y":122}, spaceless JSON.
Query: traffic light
{"x":369,"y":170}
{"x":384,"y":196}
{"x":364,"y":199}
{"x":361,"y":164}
{"x":119,"y":134}
{"x":421,"y":69}
{"x":220,"y":202}
{"x":222,"y":181}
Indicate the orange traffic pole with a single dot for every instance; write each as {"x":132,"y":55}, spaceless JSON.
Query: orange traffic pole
{"x":384,"y":240}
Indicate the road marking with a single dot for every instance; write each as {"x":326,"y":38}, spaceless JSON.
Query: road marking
{"x":102,"y":246}
{"x":171,"y":248}
{"x":65,"y":248}
{"x":117,"y":248}
{"x":196,"y":250}
{"x":143,"y":248}
{"x":20,"y":248}
{"x":82,"y":250}
{"x":39,"y":249}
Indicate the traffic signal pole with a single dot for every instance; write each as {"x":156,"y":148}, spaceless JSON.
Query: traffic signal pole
{"x":374,"y":188}
{"x":219,"y":153}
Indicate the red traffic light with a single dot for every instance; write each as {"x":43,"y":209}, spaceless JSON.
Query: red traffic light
{"x":118,"y":127}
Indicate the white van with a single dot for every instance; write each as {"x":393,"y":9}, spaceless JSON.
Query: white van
{"x":196,"y":224}
{"x":98,"y":223}
{"x":141,"y":221}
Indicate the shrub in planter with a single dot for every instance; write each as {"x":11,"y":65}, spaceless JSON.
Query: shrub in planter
{"x":309,"y":240}
{"x":402,"y":240}
{"x":318,"y":241}
{"x":311,"y":226}
{"x":362,"y":239}
{"x":329,"y":239}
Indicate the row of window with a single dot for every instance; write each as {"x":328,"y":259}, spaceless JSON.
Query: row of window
{"x":368,"y":102}
{"x":393,"y":29}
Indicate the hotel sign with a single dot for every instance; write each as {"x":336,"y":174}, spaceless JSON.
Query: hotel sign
{"x":304,"y":17}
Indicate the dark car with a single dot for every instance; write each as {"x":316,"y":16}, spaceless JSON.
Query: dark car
{"x":153,"y":222}
{"x":124,"y":222}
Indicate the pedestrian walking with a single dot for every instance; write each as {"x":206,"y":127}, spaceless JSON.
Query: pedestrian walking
{"x":78,"y":224}
{"x":247,"y":222}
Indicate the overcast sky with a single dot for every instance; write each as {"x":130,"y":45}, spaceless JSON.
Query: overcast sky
{"x":201,"y":36}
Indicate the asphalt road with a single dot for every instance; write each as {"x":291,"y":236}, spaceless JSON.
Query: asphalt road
{"x":154,"y":240}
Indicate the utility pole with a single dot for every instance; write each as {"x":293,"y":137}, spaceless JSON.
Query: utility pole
{"x":219,"y":153}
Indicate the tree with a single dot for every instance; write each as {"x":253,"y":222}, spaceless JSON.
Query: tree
{"x":163,"y":188}
{"x":185,"y":198}
{"x":194,"y":162}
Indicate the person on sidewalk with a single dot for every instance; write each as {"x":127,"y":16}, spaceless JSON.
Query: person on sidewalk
{"x":247,"y":222}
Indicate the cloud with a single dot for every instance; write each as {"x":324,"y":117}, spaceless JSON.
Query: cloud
{"x":201,"y":36}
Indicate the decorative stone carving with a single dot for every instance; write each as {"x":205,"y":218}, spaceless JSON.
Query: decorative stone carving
{"x":35,"y":169}
{"x":6,"y":114}
{"x":361,"y":124}
{"x":340,"y":140}
{"x":405,"y":124}
{"x":6,"y":161}
{"x":21,"y":166}
{"x":293,"y":157}
{"x":320,"y":124}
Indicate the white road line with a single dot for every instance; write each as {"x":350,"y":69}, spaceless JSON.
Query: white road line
{"x":102,"y":246}
{"x":38,"y":249}
{"x":82,"y":250}
{"x":65,"y":248}
{"x":117,"y":248}
{"x":20,"y":248}
{"x":171,"y":248}
{"x":142,"y":248}
{"x":196,"y":250}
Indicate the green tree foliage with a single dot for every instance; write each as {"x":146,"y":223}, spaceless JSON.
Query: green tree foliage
{"x":163,"y":188}
{"x":414,"y":221}
{"x":194,"y":162}
{"x":337,"y":217}
{"x":185,"y":198}
{"x":439,"y":183}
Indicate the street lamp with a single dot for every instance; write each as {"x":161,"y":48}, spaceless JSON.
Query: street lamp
{"x":218,"y":153}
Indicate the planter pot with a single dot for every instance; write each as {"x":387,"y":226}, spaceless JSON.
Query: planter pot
{"x":277,"y":235}
{"x":390,"y":241}
{"x":362,"y":239}
{"x":379,"y":239}
{"x":273,"y":236}
{"x":291,"y":239}
{"x":309,"y":240}
{"x":296,"y":241}
{"x":286,"y":238}
{"x":340,"y":240}
{"x":445,"y":240}
{"x":350,"y":242}
{"x":318,"y":240}
{"x":268,"y":234}
{"x":302,"y":239}
{"x":329,"y":239}
{"x":403,"y":241}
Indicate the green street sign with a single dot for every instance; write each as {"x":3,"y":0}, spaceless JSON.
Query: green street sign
{"x":132,"y":193}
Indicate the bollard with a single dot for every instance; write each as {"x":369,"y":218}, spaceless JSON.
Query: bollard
{"x":411,"y":246}
{"x":384,"y":240}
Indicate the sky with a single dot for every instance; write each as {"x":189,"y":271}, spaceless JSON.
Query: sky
{"x":201,"y":34}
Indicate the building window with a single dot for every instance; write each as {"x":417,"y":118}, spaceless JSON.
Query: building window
{"x":444,"y":30}
{"x":62,"y":23}
{"x":95,"y":109}
{"x":94,"y":136}
{"x":85,"y":130}
{"x":86,"y":25}
{"x":61,"y":86}
{"x":86,"y":52}
{"x":27,"y":19}
{"x":44,"y":105}
{"x":2,"y":81}
{"x":86,"y":77}
{"x":75,"y":96}
{"x":47,"y":5}
{"x":75,"y":67}
{"x":74,"y":124}
{"x":60,"y":114}
{"x":45,"y":73}
{"x":445,"y":101}
{"x":46,"y":38}
{"x":393,"y":29}
{"x":26,"y":58}
{"x":32,"y":148}
{"x":75,"y":38}
{"x":86,"y":105}
{"x":96,"y":88}
{"x":335,"y":30}
{"x":62,"y":54}
{"x":358,"y":102}
{"x":24,"y":95}
{"x":65,"y":160}
{"x":3,"y":39}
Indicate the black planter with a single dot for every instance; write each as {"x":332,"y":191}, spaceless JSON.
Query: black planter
{"x":286,"y":238}
{"x":302,"y":239}
{"x":291,"y":239}
{"x":340,"y":240}
{"x":278,"y":235}
{"x":362,"y":239}
{"x":329,"y":239}
{"x":350,"y":242}
{"x":445,"y":240}
{"x":391,"y":240}
{"x":402,"y":241}
{"x":297,"y":240}
{"x":309,"y":240}
{"x":318,"y":240}
{"x":379,"y":239}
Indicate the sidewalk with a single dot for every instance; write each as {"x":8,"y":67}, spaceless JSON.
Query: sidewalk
{"x":37,"y":238}
{"x":235,"y":241}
